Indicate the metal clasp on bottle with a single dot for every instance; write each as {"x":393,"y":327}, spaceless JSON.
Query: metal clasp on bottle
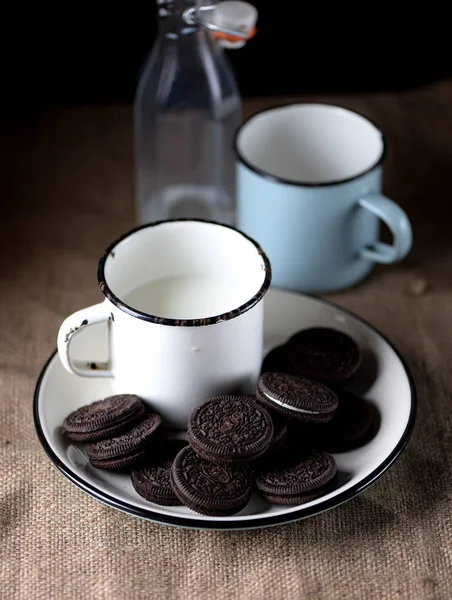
{"x":232,"y":20}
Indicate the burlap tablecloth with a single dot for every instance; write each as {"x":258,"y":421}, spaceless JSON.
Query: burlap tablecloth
{"x":68,"y":193}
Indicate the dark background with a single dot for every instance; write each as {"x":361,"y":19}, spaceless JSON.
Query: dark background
{"x":74,"y":53}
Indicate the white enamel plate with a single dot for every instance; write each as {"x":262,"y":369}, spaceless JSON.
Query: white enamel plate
{"x":383,"y":379}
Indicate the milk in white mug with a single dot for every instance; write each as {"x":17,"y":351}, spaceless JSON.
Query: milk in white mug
{"x":183,"y":297}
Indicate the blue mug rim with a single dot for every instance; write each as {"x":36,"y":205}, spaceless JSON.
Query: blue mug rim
{"x":311,"y":184}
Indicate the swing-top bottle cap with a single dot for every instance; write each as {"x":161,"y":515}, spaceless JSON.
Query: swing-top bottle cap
{"x":233,"y":16}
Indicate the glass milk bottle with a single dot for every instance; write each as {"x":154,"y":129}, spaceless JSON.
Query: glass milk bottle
{"x":187,"y":109}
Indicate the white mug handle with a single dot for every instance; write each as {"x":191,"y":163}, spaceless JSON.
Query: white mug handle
{"x":397,"y":221}
{"x":73,"y":325}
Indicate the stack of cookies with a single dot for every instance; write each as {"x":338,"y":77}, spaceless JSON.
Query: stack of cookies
{"x":320,"y":361}
{"x":118,"y":431}
{"x":276,"y":441}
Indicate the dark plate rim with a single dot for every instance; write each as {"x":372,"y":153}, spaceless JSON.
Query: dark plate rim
{"x":194,"y":523}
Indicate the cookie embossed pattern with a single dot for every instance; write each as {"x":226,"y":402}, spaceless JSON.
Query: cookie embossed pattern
{"x":208,"y":488}
{"x":230,"y":429}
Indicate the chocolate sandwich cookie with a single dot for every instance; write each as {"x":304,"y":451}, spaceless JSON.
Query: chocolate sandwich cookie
{"x":104,"y":418}
{"x":127,"y":449}
{"x":324,"y":354}
{"x":352,"y":426}
{"x":296,"y":474}
{"x":210,"y":488}
{"x":296,"y":499}
{"x":230,"y":429}
{"x":152,"y":481}
{"x":297,"y":397}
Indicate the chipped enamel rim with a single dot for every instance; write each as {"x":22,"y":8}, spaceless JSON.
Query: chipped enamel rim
{"x":108,"y":293}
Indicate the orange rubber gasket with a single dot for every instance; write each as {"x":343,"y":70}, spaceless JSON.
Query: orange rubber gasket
{"x":232,"y":38}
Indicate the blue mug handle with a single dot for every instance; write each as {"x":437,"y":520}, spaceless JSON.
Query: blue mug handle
{"x":399,"y":225}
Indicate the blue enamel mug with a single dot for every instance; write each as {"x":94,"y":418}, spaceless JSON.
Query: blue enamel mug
{"x":309,"y":180}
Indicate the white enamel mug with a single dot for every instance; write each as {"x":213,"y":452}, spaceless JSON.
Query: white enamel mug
{"x":208,"y":339}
